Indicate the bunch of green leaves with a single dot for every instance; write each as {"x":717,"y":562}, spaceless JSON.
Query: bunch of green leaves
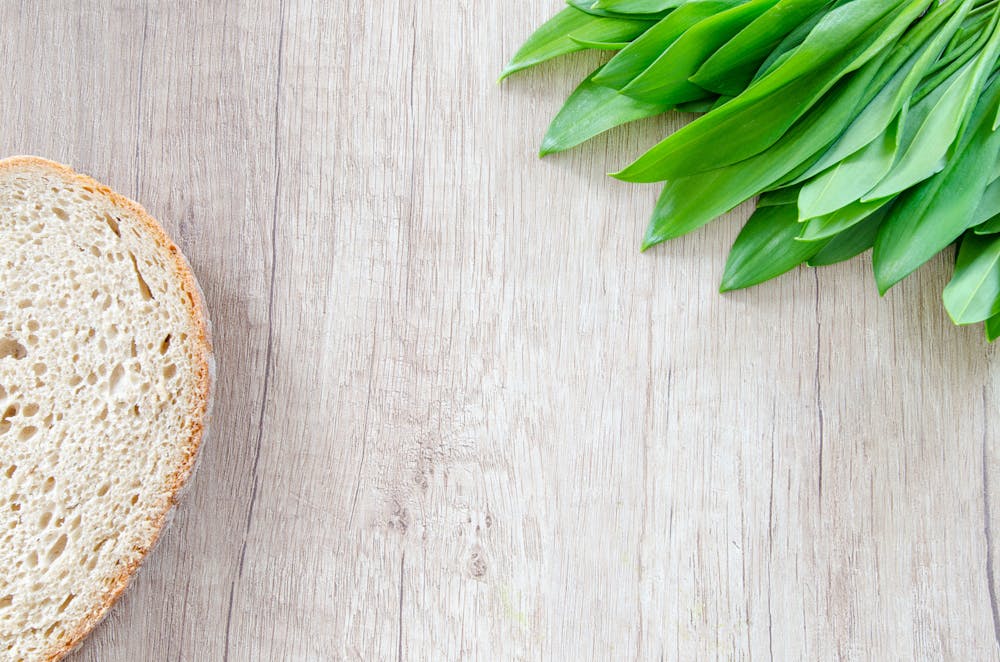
{"x":860,"y":124}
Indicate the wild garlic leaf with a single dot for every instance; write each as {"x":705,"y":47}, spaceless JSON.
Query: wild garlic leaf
{"x":897,"y":81}
{"x":666,"y":79}
{"x":846,"y":182}
{"x":781,"y":196}
{"x":753,"y":121}
{"x":587,"y":6}
{"x":731,"y":68}
{"x":828,"y":225}
{"x":993,"y":328}
{"x":927,"y":151}
{"x":991,"y":226}
{"x":555,"y":37}
{"x":688,"y":203}
{"x":850,"y":242}
{"x":600,"y":45}
{"x":973,"y":295}
{"x":644,"y":51}
{"x":932,"y":215}
{"x":988,"y":207}
{"x":859,"y":123}
{"x":590,"y":111}
{"x":637,"y":6}
{"x":766,"y":248}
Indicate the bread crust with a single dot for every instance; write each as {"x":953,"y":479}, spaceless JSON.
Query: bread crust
{"x":201,"y":327}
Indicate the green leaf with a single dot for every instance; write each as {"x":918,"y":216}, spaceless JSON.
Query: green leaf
{"x":756,"y":120}
{"x":993,"y":328}
{"x":666,"y":79}
{"x":644,"y":51}
{"x":900,"y":75}
{"x":690,"y":202}
{"x":991,"y":226}
{"x":637,"y":6}
{"x":592,"y":110}
{"x":781,"y":196}
{"x":932,"y":215}
{"x":697,"y":105}
{"x":555,"y":37}
{"x":601,"y":45}
{"x":851,"y":242}
{"x":846,"y":182}
{"x":973,"y":295}
{"x":790,"y":44}
{"x":860,"y":124}
{"x":927,"y":149}
{"x":730,"y":69}
{"x":987,"y":209}
{"x":766,"y":248}
{"x":824,"y":227}
{"x":587,"y":6}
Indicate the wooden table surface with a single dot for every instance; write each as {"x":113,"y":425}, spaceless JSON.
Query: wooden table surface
{"x":459,"y":415}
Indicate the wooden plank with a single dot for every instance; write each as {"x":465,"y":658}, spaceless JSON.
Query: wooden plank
{"x":459,"y":415}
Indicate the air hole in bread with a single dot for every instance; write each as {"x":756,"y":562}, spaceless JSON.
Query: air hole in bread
{"x":12,"y":349}
{"x":43,"y":521}
{"x":58,"y":547}
{"x":8,"y":413}
{"x":6,"y":601}
{"x":144,"y":290}
{"x":115,"y":385}
{"x":61,"y":213}
{"x":113,"y":224}
{"x":27,"y":433}
{"x":65,"y":603}
{"x":102,"y":490}
{"x":52,"y":628}
{"x":165,"y":345}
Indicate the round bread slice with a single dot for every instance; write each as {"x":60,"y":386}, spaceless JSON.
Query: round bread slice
{"x":105,"y":379}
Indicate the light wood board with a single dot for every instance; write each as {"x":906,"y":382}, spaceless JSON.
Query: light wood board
{"x":459,"y":415}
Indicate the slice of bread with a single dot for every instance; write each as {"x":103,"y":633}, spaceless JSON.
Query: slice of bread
{"x":105,"y":380}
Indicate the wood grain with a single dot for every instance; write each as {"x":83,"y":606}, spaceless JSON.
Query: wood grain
{"x":459,"y":415}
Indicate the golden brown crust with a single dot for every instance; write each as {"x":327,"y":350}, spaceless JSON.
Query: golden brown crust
{"x":196,"y":308}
